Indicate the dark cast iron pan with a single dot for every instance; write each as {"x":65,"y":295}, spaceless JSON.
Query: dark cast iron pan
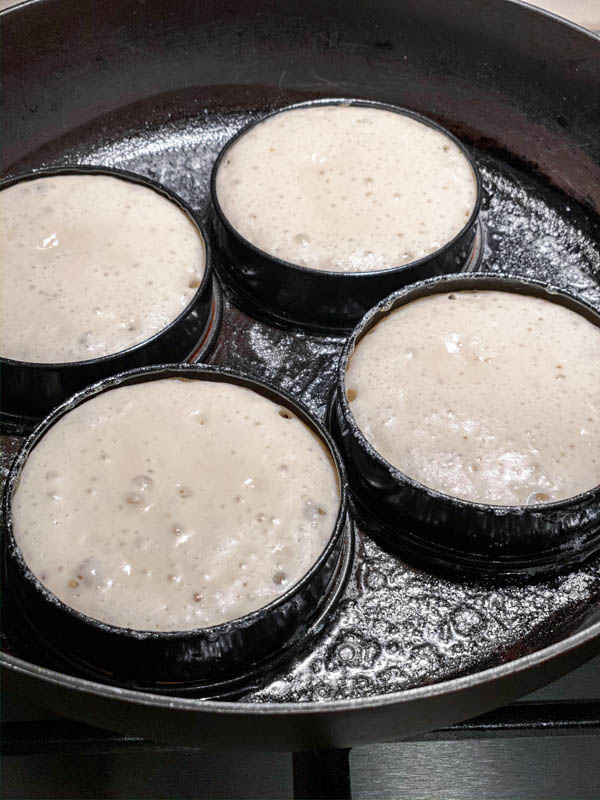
{"x":500,"y":75}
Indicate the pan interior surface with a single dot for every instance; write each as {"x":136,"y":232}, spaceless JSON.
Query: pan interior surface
{"x":397,"y":628}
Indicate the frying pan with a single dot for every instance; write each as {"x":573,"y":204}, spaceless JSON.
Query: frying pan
{"x":502,"y":76}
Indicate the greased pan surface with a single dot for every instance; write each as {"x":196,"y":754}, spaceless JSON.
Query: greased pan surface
{"x":159,"y":89}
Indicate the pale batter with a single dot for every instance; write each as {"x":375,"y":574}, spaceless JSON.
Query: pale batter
{"x":175,"y":504}
{"x":488,"y":396}
{"x":346,"y":188}
{"x":91,"y":265}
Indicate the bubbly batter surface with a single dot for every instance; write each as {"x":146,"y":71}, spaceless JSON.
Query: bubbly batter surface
{"x":346,"y":188}
{"x":91,"y":265}
{"x":488,"y":396}
{"x":175,"y":504}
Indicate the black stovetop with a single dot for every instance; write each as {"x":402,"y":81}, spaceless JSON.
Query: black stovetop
{"x":545,"y":746}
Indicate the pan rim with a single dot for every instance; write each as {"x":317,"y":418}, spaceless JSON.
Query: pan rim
{"x":439,"y":688}
{"x":594,"y":35}
{"x":528,"y":6}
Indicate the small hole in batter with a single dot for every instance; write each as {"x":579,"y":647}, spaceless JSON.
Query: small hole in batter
{"x":143,"y":482}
